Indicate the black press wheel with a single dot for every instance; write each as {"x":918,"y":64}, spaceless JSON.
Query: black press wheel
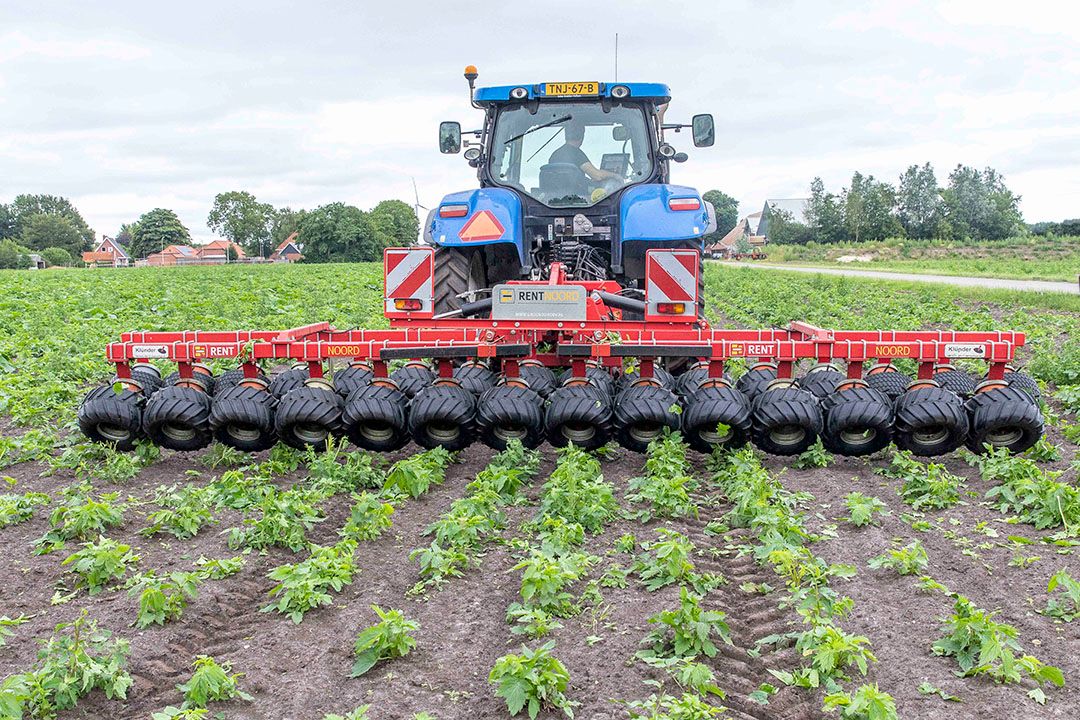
{"x":178,"y":418}
{"x":309,"y":416}
{"x":242,"y":417}
{"x":285,"y":382}
{"x":642,"y":413}
{"x":458,"y":272}
{"x":475,"y":377}
{"x":888,"y":380}
{"x":1004,"y":418}
{"x":1024,"y":382}
{"x":930,"y":421}
{"x":106,"y":416}
{"x":579,"y":415}
{"x":821,"y":380}
{"x":510,"y":412}
{"x":786,"y":420}
{"x":858,"y":421}
{"x":754,"y":381}
{"x":539,"y":378}
{"x":349,"y":379}
{"x":374,"y":417}
{"x":955,"y":381}
{"x":443,"y":415}
{"x":716,"y":416}
{"x":413,"y":377}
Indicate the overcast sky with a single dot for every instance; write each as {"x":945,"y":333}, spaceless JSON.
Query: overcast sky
{"x":124,"y":107}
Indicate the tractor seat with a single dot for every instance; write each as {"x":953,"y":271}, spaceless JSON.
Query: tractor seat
{"x":559,"y":180}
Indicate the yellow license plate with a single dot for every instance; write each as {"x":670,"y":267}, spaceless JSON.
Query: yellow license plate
{"x":570,"y":89}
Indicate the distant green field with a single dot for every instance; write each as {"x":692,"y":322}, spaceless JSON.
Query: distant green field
{"x":1028,"y":258}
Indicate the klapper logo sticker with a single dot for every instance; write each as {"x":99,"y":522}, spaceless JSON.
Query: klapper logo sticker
{"x":482,"y":226}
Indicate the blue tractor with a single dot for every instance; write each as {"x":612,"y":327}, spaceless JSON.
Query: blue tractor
{"x":571,"y":172}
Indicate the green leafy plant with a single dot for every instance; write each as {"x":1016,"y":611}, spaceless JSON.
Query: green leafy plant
{"x":178,"y":713}
{"x":163,"y":598}
{"x":665,"y":560}
{"x":5,"y":623}
{"x":576,"y":491}
{"x":224,"y":456}
{"x":862,"y":508}
{"x":531,"y":621}
{"x":283,"y":520}
{"x":668,"y":707}
{"x":183,"y":512}
{"x":545,"y":579}
{"x":101,"y":562}
{"x":667,"y":482}
{"x":532,"y":680}
{"x":868,"y":702}
{"x":908,"y":560}
{"x":438,"y":563}
{"x":219,"y":568}
{"x":983,"y":646}
{"x":815,"y":457}
{"x":688,"y":631}
{"x":238,"y":491}
{"x":77,"y":659}
{"x":559,"y":536}
{"x":687,"y":672}
{"x":1043,"y":451}
{"x":211,"y":682}
{"x":391,"y":637}
{"x":508,"y":471}
{"x":832,"y":652}
{"x":102,"y":462}
{"x":15,"y":509}
{"x":359,"y":713}
{"x":1035,"y":495}
{"x":306,"y":585}
{"x":79,"y":517}
{"x":926,"y":486}
{"x":1066,"y":605}
{"x":369,"y":517}
{"x":334,"y":471}
{"x":414,"y":475}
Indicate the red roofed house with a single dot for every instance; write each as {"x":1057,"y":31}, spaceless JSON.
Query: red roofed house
{"x":173,"y":255}
{"x":217,"y":252}
{"x":108,"y":253}
{"x":288,"y":251}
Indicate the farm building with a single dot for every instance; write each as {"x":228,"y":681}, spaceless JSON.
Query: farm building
{"x":108,"y":253}
{"x":741,"y":238}
{"x":795,"y":206}
{"x":288,"y":251}
{"x":220,"y":252}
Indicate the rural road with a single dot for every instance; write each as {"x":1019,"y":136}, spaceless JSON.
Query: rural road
{"x":985,"y":282}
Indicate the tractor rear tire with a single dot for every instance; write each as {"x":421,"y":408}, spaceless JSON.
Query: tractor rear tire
{"x":475,"y":377}
{"x":642,"y":413}
{"x":579,"y":415}
{"x":374,"y":418}
{"x":858,"y":421}
{"x":891,"y":382}
{"x":787,"y":421}
{"x":443,"y":415}
{"x":509,"y":412}
{"x":457,"y":271}
{"x":412,"y":378}
{"x":308,"y":417}
{"x":349,"y":379}
{"x":243,"y":418}
{"x":108,"y":417}
{"x":707,"y":409}
{"x":178,"y":418}
{"x":930,"y":421}
{"x":957,"y":382}
{"x":754,"y":381}
{"x":1004,"y":418}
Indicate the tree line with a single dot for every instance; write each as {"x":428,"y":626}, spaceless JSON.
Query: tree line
{"x":52,"y":227}
{"x":973,"y":205}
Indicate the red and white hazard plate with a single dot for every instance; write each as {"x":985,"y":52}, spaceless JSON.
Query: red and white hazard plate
{"x":409,"y":282}
{"x":671,"y":281}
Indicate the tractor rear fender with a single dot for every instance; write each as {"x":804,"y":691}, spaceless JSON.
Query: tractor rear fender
{"x":486,"y":216}
{"x":655,"y":215}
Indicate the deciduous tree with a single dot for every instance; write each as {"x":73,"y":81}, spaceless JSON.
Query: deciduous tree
{"x":155,"y":230}
{"x":919,"y":206}
{"x":824,"y":214}
{"x":727,"y":213}
{"x":25,"y":207}
{"x":395,"y":223}
{"x":42,"y":231}
{"x":238,"y":216}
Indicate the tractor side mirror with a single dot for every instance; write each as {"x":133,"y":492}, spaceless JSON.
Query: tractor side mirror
{"x":704,"y":130}
{"x":450,"y":137}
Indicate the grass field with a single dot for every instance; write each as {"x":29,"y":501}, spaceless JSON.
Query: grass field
{"x":669,"y":586}
{"x":1035,"y":258}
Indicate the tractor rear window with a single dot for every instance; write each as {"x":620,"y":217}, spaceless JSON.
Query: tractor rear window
{"x":571,"y":154}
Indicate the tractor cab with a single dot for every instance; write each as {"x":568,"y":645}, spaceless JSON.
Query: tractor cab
{"x":570,"y":172}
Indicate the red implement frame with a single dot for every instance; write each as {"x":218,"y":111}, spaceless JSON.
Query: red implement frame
{"x":603,"y":337}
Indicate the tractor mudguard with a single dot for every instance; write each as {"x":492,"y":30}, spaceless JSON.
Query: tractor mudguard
{"x":490,"y":216}
{"x":646,"y":217}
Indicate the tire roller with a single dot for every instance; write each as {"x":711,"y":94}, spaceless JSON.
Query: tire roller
{"x":716,"y":415}
{"x":285,"y":382}
{"x":786,"y":419}
{"x":821,"y":380}
{"x":754,"y":381}
{"x":113,"y":415}
{"x":510,"y":411}
{"x":242,"y":416}
{"x":885,"y":378}
{"x":579,"y":413}
{"x":954,"y":380}
{"x":539,"y":378}
{"x":858,"y":419}
{"x":355,"y":375}
{"x":1003,"y":415}
{"x":178,"y":417}
{"x":309,"y":415}
{"x":412,"y":377}
{"x":643,"y":411}
{"x":375,"y":416}
{"x":929,"y":420}
{"x":475,"y":376}
{"x":443,"y":415}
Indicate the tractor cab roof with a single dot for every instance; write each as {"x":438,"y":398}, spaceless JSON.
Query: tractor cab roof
{"x":657,"y":92}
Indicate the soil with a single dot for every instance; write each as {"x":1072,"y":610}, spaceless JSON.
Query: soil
{"x":300,"y":672}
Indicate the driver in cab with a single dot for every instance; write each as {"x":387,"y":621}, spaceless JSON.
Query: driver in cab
{"x":572,"y":154}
